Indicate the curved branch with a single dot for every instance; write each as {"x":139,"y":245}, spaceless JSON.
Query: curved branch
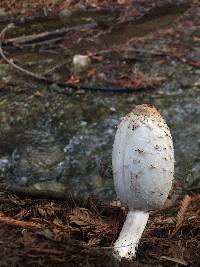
{"x":11,"y":62}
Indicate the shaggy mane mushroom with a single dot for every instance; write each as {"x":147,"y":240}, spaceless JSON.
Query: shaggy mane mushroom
{"x":143,"y":169}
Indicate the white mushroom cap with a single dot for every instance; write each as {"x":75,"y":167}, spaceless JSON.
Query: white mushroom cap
{"x":81,"y":63}
{"x":143,"y":159}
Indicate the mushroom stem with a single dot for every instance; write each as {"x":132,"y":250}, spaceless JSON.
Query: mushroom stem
{"x":134,"y":225}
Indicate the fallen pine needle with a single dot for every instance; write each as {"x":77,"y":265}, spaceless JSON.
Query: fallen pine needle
{"x":180,"y":216}
{"x":32,"y":225}
{"x":179,"y":261}
{"x":10,"y":221}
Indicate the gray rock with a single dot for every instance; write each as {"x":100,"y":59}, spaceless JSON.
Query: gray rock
{"x":64,"y":15}
{"x":39,"y":163}
{"x":4,"y":166}
{"x":49,"y":185}
{"x":54,"y":87}
{"x":4,"y":68}
{"x":80,"y":7}
{"x":186,"y":82}
{"x":2,"y":12}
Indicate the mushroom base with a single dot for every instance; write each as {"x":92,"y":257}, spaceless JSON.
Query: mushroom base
{"x":134,"y":225}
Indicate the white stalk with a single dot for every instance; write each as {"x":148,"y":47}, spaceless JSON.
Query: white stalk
{"x":134,"y":225}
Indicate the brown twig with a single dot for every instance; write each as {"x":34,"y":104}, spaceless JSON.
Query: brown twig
{"x":44,"y":36}
{"x":38,"y":194}
{"x":10,"y":221}
{"x":55,"y":68}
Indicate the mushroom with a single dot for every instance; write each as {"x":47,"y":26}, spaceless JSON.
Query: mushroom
{"x":81,"y":63}
{"x":143,"y":168}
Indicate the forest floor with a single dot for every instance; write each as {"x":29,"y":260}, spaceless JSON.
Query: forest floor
{"x":147,"y":32}
{"x":73,"y":233}
{"x":70,"y":233}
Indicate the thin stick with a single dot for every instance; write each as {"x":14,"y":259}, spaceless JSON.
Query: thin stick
{"x":46,"y":36}
{"x":55,"y":68}
{"x":10,"y":221}
{"x":73,"y":86}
